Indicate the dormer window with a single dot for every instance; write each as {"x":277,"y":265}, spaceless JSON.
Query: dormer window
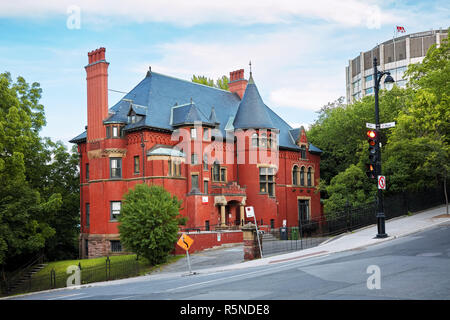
{"x":133,"y":117}
{"x":303,"y":151}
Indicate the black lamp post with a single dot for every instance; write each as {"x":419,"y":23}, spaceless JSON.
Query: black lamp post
{"x":377,"y":75}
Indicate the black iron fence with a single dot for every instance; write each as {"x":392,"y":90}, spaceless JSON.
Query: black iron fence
{"x":311,"y":233}
{"x":74,"y":275}
{"x":229,"y":225}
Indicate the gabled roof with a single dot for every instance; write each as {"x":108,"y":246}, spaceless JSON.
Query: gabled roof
{"x":252,"y":111}
{"x":187,"y":114}
{"x":157,"y":94}
{"x":213,"y":117}
{"x":296,"y":136}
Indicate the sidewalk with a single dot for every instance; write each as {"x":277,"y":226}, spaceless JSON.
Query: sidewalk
{"x":395,"y":228}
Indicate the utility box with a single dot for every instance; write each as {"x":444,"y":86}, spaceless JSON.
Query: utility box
{"x":283,"y":233}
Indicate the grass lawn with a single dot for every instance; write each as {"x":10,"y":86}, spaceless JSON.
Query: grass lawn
{"x":144,"y":265}
{"x":92,"y":270}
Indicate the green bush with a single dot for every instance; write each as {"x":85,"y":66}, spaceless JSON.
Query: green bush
{"x":149,"y":222}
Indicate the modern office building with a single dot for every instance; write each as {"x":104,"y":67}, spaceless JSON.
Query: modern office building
{"x":394,"y":56}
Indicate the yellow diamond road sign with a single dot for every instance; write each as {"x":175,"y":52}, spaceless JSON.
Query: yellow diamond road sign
{"x":185,"y":242}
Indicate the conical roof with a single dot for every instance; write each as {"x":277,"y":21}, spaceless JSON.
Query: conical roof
{"x":252,"y":112}
{"x":213,"y":117}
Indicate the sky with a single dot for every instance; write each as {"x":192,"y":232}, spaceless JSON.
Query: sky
{"x":298,"y":49}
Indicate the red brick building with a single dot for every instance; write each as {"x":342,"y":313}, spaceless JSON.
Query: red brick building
{"x":216,"y":150}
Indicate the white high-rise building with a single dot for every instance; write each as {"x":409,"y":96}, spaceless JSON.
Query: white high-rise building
{"x":394,"y":56}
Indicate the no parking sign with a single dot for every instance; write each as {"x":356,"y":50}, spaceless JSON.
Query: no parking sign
{"x":382,"y":182}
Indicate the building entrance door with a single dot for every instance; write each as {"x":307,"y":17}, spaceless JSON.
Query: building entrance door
{"x":303,"y":210}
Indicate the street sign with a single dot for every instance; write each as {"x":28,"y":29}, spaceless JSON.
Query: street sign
{"x":370,"y":125}
{"x":387,"y":125}
{"x":185,"y":242}
{"x":249,"y":212}
{"x":205,"y":200}
{"x":382,"y":182}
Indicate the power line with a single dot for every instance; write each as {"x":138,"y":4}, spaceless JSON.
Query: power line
{"x":117,"y":91}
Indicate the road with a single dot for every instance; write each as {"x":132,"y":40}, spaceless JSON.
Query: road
{"x":411,"y":267}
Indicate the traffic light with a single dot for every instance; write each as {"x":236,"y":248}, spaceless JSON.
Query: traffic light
{"x":371,"y":166}
{"x":370,"y":171}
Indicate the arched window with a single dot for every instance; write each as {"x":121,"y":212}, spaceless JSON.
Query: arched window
{"x":263,"y":141}
{"x":309,"y":174}
{"x":302,"y":176}
{"x":205,"y":162}
{"x":255,"y":140}
{"x":295,"y":175}
{"x":216,"y":171}
{"x":272,"y":140}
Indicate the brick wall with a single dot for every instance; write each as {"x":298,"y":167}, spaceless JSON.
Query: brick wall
{"x":205,"y":240}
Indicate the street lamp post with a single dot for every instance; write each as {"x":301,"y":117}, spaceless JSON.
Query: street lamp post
{"x":377,"y":75}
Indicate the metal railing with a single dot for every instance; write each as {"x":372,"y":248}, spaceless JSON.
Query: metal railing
{"x":51,"y":279}
{"x":311,"y":233}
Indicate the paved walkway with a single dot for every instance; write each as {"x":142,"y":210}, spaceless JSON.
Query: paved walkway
{"x":232,"y":257}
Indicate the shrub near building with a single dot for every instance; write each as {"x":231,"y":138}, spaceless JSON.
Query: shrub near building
{"x":149,"y":221}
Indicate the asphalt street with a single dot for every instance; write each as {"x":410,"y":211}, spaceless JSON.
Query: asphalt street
{"x":411,"y":267}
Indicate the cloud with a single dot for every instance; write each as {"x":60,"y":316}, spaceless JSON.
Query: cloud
{"x":291,"y":67}
{"x":194,"y":12}
{"x":299,"y":124}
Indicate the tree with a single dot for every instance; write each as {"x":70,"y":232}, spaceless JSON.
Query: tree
{"x":221,"y":83}
{"x":433,"y":73}
{"x":61,"y":177}
{"x":350,"y":186}
{"x":418,"y":151}
{"x":39,"y":196}
{"x":23,"y":230}
{"x":340,"y":130}
{"x":149,"y":222}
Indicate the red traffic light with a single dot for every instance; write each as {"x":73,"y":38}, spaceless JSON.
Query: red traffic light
{"x":372,"y":137}
{"x":371,"y":134}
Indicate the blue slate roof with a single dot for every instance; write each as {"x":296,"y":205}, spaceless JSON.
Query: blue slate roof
{"x":79,"y":138}
{"x":187,"y":114}
{"x":295,"y":133}
{"x":314,"y":149}
{"x":158,"y":96}
{"x":252,"y":110}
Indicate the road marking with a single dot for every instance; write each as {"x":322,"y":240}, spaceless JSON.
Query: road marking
{"x":299,"y":257}
{"x":66,"y":296}
{"x":123,"y":298}
{"x":270,"y":270}
{"x":84,"y":297}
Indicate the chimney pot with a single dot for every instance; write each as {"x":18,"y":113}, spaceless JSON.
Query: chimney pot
{"x":237,"y":82}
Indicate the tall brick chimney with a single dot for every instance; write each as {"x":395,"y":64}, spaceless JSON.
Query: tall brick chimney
{"x":237,"y":82}
{"x":97,"y":94}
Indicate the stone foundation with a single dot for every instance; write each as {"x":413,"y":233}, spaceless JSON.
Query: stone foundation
{"x":99,"y":245}
{"x":251,"y":246}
